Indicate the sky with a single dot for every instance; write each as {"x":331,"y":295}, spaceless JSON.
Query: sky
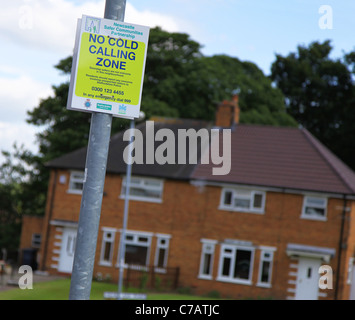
{"x":36,"y":34}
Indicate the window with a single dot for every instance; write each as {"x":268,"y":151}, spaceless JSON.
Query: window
{"x":36,"y":240}
{"x":314,"y":208}
{"x":76,"y":182}
{"x":265,"y":268}
{"x":145,"y":189}
{"x":236,"y":264}
{"x":107,"y":247}
{"x":161,"y":253}
{"x":137,"y":247}
{"x":242,"y":200}
{"x":206,"y":262}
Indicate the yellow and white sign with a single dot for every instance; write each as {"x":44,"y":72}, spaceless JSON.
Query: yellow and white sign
{"x":108,"y":67}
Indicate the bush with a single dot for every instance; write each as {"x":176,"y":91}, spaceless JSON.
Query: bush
{"x":214,"y":294}
{"x":143,"y":281}
{"x":184,"y":290}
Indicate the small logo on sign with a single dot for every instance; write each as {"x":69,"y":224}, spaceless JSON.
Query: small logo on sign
{"x":92,"y":25}
{"x":122,"y":109}
{"x":87,"y":103}
{"x":103,"y":106}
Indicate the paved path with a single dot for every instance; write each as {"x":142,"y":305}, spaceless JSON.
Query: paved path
{"x":11,"y":281}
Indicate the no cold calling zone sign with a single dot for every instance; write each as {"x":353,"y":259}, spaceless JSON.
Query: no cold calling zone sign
{"x":108,"y":67}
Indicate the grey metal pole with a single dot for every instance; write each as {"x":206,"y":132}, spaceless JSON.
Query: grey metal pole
{"x":95,"y":171}
{"x":115,"y":9}
{"x":125,"y":212}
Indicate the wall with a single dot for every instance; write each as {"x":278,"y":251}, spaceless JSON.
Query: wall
{"x":189,"y":214}
{"x":31,"y":225}
{"x":348,"y":254}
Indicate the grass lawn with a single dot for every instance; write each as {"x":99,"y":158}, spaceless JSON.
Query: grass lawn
{"x":59,"y":290}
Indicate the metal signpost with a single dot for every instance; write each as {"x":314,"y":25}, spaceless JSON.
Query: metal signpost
{"x":97,"y":86}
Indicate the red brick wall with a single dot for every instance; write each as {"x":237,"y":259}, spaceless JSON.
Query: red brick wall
{"x":30,"y":225}
{"x":189,"y":214}
{"x":348,"y":251}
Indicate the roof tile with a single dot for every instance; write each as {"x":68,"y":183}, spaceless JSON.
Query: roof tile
{"x":260,"y":155}
{"x":282,"y":157}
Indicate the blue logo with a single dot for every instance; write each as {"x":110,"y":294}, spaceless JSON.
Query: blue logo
{"x":122,"y":109}
{"x":87,"y":103}
{"x":92,"y":25}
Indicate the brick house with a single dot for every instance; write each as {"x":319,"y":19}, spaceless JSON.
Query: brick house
{"x":263,"y":230}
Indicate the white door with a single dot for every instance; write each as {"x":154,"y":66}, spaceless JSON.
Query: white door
{"x":67,"y":250}
{"x":352,"y":288}
{"x":307,"y":279}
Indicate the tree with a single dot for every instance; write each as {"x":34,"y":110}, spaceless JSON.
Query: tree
{"x":319,"y":94}
{"x":217,"y":78}
{"x":180,"y":81}
{"x":12,"y":173}
{"x":10,"y":219}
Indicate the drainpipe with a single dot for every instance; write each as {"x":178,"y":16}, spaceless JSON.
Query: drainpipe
{"x":340,"y":247}
{"x":44,"y":245}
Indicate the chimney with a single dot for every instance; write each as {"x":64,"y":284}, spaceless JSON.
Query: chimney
{"x":227,"y":114}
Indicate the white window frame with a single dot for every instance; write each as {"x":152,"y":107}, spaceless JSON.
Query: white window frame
{"x":324,"y":206}
{"x":165,"y":246}
{"x":142,"y":183}
{"x":135,"y":241}
{"x":350,"y":270}
{"x":36,"y":240}
{"x":75,"y":179}
{"x":232,"y":255}
{"x":264,"y":258}
{"x":242,"y":194}
{"x":208,"y":248}
{"x":106,"y":239}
